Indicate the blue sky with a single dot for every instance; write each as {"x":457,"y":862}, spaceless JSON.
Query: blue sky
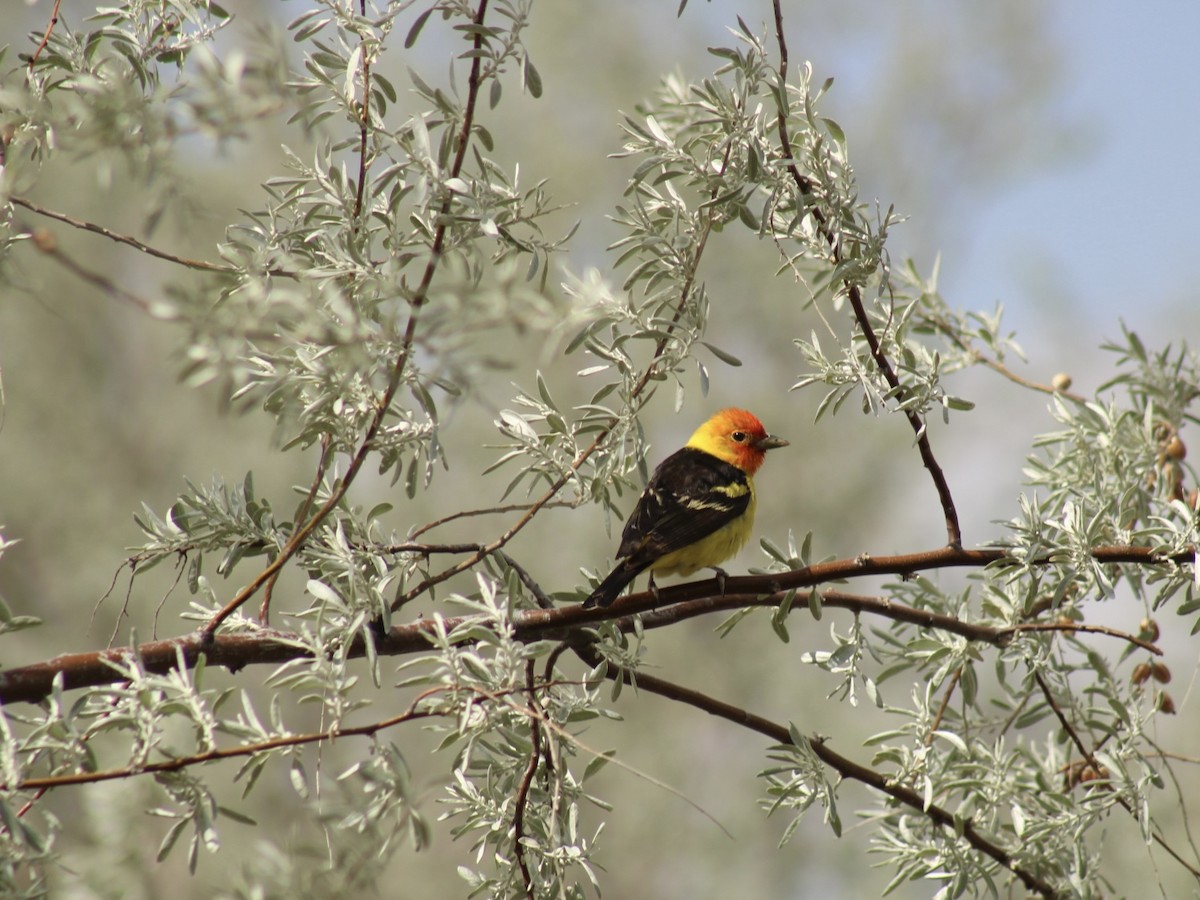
{"x":1070,"y":247}
{"x":1113,"y":233}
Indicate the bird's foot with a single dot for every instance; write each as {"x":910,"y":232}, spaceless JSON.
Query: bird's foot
{"x":721,"y":576}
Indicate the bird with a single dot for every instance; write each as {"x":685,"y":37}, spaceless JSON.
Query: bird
{"x":697,"y":509}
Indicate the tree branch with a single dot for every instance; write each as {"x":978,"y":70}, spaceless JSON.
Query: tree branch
{"x":82,"y":225}
{"x":673,"y":604}
{"x":416,"y":301}
{"x":535,"y":754}
{"x":45,"y":37}
{"x":995,"y":365}
{"x":805,"y":186}
{"x":845,"y":767}
{"x":291,"y":740}
{"x":1099,"y":770}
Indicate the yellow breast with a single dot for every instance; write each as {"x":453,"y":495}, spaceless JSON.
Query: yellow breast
{"x":711,"y":550}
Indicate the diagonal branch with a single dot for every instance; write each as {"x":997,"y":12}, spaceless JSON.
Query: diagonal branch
{"x":175,"y":764}
{"x":416,"y":302}
{"x":46,"y":36}
{"x":133,"y":242}
{"x":981,"y":358}
{"x":806,"y":188}
{"x":845,"y":767}
{"x":1095,"y":767}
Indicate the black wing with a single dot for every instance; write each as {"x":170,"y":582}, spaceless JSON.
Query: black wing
{"x":691,"y":494}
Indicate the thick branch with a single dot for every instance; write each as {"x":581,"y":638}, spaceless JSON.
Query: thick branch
{"x":673,"y":604}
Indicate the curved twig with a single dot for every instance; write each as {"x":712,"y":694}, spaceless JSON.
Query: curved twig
{"x":182,"y":762}
{"x":133,"y":242}
{"x":805,"y":186}
{"x":535,"y":755}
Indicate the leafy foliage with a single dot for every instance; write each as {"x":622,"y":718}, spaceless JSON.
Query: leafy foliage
{"x":357,"y":299}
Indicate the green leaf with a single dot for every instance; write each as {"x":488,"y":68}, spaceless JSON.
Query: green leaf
{"x":728,"y":358}
{"x":415,"y":31}
{"x":168,"y":841}
{"x":530,"y":77}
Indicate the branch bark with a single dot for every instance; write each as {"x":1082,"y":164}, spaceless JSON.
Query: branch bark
{"x":844,"y":766}
{"x":672,"y":604}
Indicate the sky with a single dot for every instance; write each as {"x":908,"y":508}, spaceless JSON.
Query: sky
{"x":1113,"y":233}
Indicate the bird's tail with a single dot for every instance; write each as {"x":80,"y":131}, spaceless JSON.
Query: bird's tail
{"x":612,"y":586}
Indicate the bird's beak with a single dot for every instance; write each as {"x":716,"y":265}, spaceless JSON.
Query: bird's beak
{"x":770,"y":442}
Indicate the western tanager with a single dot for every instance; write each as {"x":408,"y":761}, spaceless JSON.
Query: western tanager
{"x":698,"y":509}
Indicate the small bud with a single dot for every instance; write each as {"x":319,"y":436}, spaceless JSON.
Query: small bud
{"x":1061,"y":382}
{"x":1160,"y":673}
{"x":1089,"y":773}
{"x":1148,"y":630}
{"x":1175,"y":449}
{"x":1166,"y":705}
{"x":1141,"y":674}
{"x":44,"y":240}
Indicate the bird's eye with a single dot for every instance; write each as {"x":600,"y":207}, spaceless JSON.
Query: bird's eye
{"x":739,"y":436}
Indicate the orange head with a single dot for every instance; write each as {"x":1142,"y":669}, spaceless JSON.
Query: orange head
{"x":737,"y":437}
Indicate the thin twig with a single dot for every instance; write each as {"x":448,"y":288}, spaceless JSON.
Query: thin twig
{"x":416,"y":302}
{"x":535,"y":754}
{"x":949,"y":692}
{"x":994,"y":364}
{"x":264,"y":610}
{"x":182,"y":762}
{"x":429,"y":549}
{"x":660,"y":611}
{"x":1071,"y":627}
{"x":364,"y":126}
{"x":46,"y":242}
{"x":131,"y":241}
{"x":526,"y":579}
{"x":806,"y":189}
{"x":488,"y":511}
{"x":45,"y":37}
